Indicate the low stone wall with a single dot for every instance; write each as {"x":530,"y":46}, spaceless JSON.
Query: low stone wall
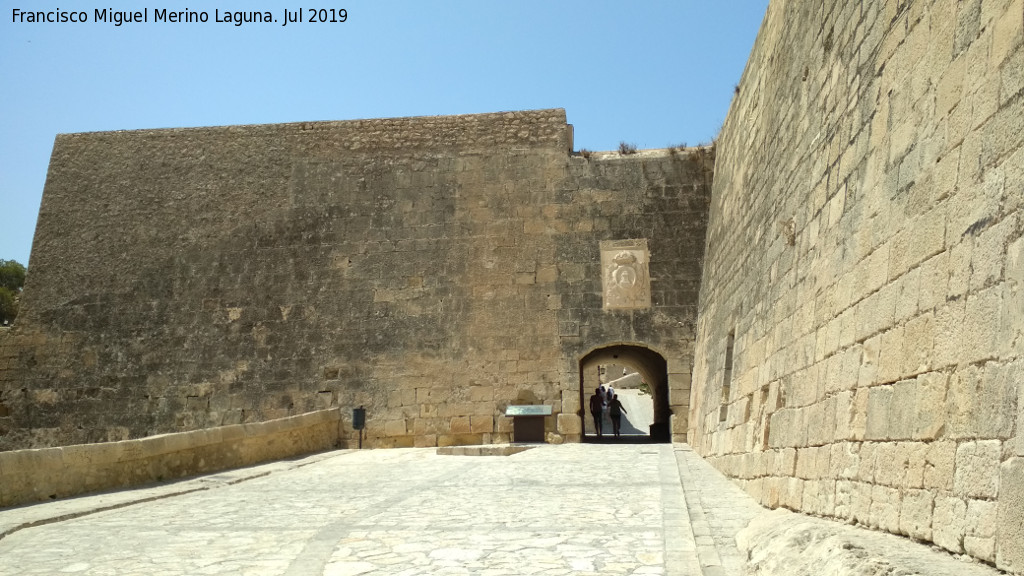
{"x":37,"y":475}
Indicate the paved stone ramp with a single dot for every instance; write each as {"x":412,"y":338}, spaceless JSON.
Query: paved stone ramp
{"x":551,"y":510}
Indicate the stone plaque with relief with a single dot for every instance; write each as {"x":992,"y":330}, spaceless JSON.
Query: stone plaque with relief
{"x":625,"y":281}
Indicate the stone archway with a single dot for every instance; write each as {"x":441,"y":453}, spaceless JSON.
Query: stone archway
{"x":654,"y":370}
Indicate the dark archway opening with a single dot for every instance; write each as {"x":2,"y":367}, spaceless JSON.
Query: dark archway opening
{"x":653,"y":370}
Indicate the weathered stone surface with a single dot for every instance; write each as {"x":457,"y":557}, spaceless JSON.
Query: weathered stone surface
{"x":977,"y":469}
{"x":1009,"y":528}
{"x":882,"y":196}
{"x":48,"y":473}
{"x":433,"y":270}
{"x":855,"y":348}
{"x":781,"y":542}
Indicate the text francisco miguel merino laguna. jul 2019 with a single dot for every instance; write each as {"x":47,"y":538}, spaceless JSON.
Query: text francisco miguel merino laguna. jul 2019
{"x":162,"y":15}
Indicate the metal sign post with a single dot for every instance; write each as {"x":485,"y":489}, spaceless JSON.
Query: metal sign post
{"x":359,"y":422}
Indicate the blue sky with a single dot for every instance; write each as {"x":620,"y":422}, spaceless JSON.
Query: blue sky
{"x":654,"y":74}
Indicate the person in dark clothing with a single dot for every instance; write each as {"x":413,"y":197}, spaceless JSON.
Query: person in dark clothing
{"x":596,"y":407}
{"x":615,"y":410}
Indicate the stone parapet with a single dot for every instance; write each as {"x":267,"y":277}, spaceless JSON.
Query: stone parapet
{"x":49,"y":473}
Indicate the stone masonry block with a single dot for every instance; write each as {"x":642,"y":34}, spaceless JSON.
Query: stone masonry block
{"x":1009,"y":524}
{"x":919,"y":341}
{"x":915,"y":454}
{"x":570,"y":399}
{"x":977,"y":469}
{"x":849,"y":369}
{"x":982,"y":402}
{"x":949,"y":522}
{"x":843,"y":460}
{"x":981,"y":325}
{"x":962,"y":402}
{"x":980,"y":530}
{"x":425,"y":441}
{"x":989,"y":253}
{"x":503,"y":425}
{"x":870,"y":353}
{"x":885,"y":508}
{"x":568,"y":424}
{"x":481,"y":424}
{"x":959,"y":268}
{"x":940,"y":462}
{"x":781,"y":420}
{"x":876,"y":312}
{"x":843,"y":500}
{"x":461,"y":425}
{"x":822,"y":422}
{"x":823,"y":462}
{"x":805,"y":463}
{"x":879,"y":402}
{"x":792,"y":493}
{"x":395,"y":428}
{"x":916,"y":514}
{"x":481,"y":394}
{"x":890,"y":364}
{"x":430,"y":426}
{"x":930,"y":419}
{"x":811,"y":497}
{"x":860,"y":503}
{"x":934,"y":277}
{"x":866,"y":463}
{"x":949,"y":325}
{"x":458,"y":440}
{"x":1017,"y":444}
{"x":996,"y":400}
{"x":843,"y":407}
{"x":908,"y":295}
{"x":1012,"y":78}
{"x":1011,"y":334}
{"x":785,"y":464}
{"x":927,"y":239}
{"x":889,"y":467}
{"x":903,"y":410}
{"x":859,"y":414}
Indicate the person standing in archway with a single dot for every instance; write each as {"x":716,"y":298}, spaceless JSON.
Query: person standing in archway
{"x":609,"y":393}
{"x":596,"y":408}
{"x":615,"y":410}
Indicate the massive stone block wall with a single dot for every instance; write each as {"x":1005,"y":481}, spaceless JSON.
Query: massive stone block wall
{"x":433,"y":270}
{"x":861,"y":321}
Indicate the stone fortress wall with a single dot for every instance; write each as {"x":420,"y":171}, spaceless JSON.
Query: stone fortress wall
{"x":433,"y":270}
{"x":861,"y":321}
{"x":856,"y":352}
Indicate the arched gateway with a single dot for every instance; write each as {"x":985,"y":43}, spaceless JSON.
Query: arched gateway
{"x":653,"y":370}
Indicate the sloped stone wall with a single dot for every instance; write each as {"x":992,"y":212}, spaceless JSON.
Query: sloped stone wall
{"x":864,"y":265}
